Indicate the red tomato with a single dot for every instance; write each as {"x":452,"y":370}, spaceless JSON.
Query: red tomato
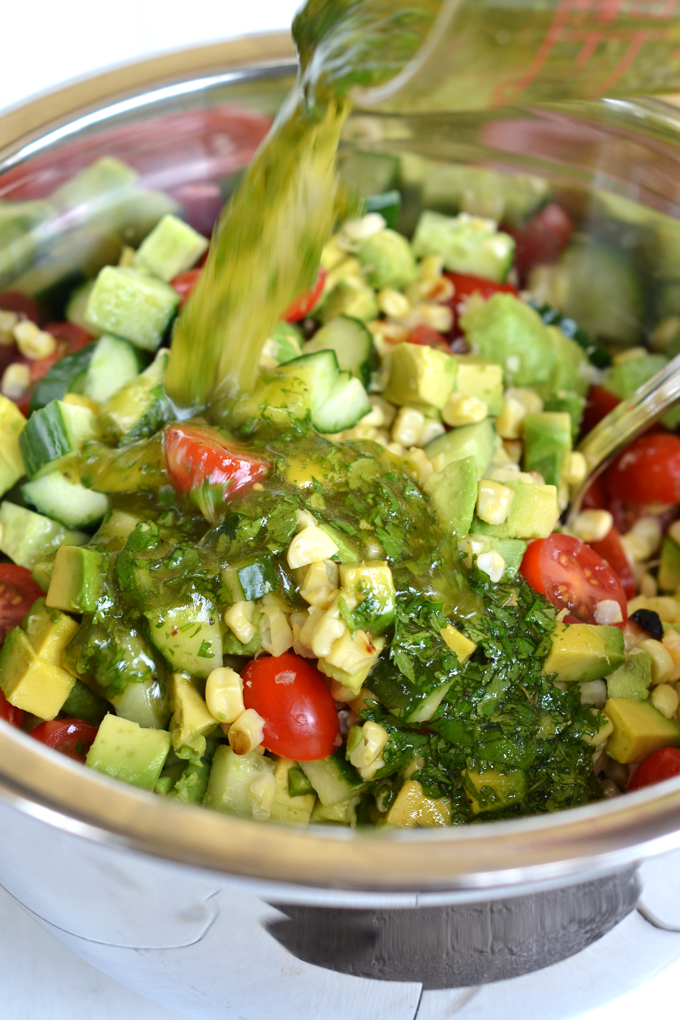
{"x":209,"y":468}
{"x":663,"y":764}
{"x":543,"y":239}
{"x":426,"y":336}
{"x":598,"y":405}
{"x":648,"y":469}
{"x":185,"y":283}
{"x":303,"y":305}
{"x":611,"y":550}
{"x":72,"y":737}
{"x":14,"y":716}
{"x":595,"y":498}
{"x":15,"y":301}
{"x":572,"y":576}
{"x":18,"y":592}
{"x":299,"y":713}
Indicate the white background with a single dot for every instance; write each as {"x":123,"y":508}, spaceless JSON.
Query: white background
{"x":43,"y":45}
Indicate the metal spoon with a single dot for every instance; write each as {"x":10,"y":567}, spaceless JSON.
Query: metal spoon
{"x":627,"y":421}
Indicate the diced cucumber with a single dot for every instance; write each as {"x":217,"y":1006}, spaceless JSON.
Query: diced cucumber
{"x":76,"y":307}
{"x":334,"y":779}
{"x":352,"y":343}
{"x":144,"y":702}
{"x":53,"y":435}
{"x":188,"y":636}
{"x":344,"y":407}
{"x":103,"y":177}
{"x":114,"y":363}
{"x":284,"y":342}
{"x":139,"y":407}
{"x":69,"y":502}
{"x":231,"y":777}
{"x":27,"y":537}
{"x":467,"y":244}
{"x":19,"y":236}
{"x":171,"y":248}
{"x":253,"y":579}
{"x":66,"y":376}
{"x":132,"y":304}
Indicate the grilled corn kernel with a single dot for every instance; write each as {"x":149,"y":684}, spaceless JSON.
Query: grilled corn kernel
{"x":420,"y":464}
{"x":239,"y":620}
{"x":408,"y":426}
{"x":224,"y":695}
{"x":397,"y":449}
{"x":354,"y":654}
{"x":297,"y":622}
{"x":355,"y":232}
{"x":431,"y":429}
{"x":493,"y":564}
{"x":593,"y":692}
{"x":320,"y":583}
{"x":313,"y":617}
{"x":529,"y":399}
{"x":608,"y":611}
{"x":648,"y":586}
{"x":510,"y":421}
{"x":310,"y":546}
{"x":16,"y":381}
{"x":246,"y":732}
{"x":671,"y":641}
{"x":464,"y":409}
{"x":666,"y":606}
{"x":32,"y":341}
{"x":592,"y":525}
{"x":438,"y":317}
{"x":493,"y":501}
{"x":8,"y":321}
{"x":371,"y":745}
{"x":576,"y":469}
{"x":470,"y":547}
{"x":384,"y":408}
{"x":261,"y":793}
{"x":341,"y":693}
{"x":277,"y":637}
{"x":647,"y":530}
{"x":393,"y":303}
{"x":663,"y":666}
{"x":665,"y":698}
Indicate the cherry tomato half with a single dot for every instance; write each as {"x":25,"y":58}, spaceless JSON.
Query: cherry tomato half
{"x":542,"y":239}
{"x":598,"y":405}
{"x":72,"y":737}
{"x":648,"y":468}
{"x":303,"y":305}
{"x":611,"y":550}
{"x":14,"y":716}
{"x":663,"y":764}
{"x":18,"y":592}
{"x":15,"y":301}
{"x":300,"y":719}
{"x":185,"y":283}
{"x":572,"y":576}
{"x":426,"y":336}
{"x":209,"y":468}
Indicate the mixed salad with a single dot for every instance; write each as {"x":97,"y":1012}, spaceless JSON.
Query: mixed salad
{"x":347,"y":597}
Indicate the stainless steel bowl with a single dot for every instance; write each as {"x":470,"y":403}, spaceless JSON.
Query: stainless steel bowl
{"x":215,"y":915}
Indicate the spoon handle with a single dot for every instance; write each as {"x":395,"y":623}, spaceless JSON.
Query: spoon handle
{"x":627,"y":421}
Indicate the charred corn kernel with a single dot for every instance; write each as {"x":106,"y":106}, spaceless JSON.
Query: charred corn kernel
{"x":224,"y":695}
{"x":348,"y":269}
{"x":635,"y":547}
{"x":663,"y":666}
{"x":576,"y":469}
{"x":310,"y":546}
{"x":464,"y":409}
{"x":239,"y":620}
{"x":127,"y":256}
{"x":608,"y":611}
{"x":510,"y":421}
{"x":438,"y":317}
{"x":354,"y":654}
{"x":8,"y":320}
{"x":493,"y":501}
{"x":431,"y":429}
{"x":320,"y":583}
{"x":78,"y":400}
{"x":330,"y":626}
{"x":341,"y":693}
{"x":355,"y":232}
{"x":493,"y":564}
{"x":261,"y":793}
{"x":393,"y":303}
{"x":420,"y":464}
{"x":32,"y":341}
{"x":460,"y":645}
{"x":648,"y":586}
{"x":277,"y":637}
{"x":592,"y":525}
{"x":246,"y":732}
{"x":359,"y":702}
{"x":382,"y":407}
{"x":440,"y":289}
{"x":603,"y":732}
{"x":373,"y":739}
{"x":430,"y":267}
{"x":388,"y":331}
{"x":562,"y":496}
{"x":502,"y":459}
{"x":593,"y":692}
{"x":665,"y":698}
{"x":16,"y":381}
{"x":666,"y":606}
{"x":408,"y":426}
{"x":632,"y":354}
{"x":514,"y":449}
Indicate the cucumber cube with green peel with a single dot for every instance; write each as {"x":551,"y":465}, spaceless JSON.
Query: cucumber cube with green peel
{"x":65,"y":501}
{"x":28,"y":538}
{"x":171,"y":248}
{"x":131,"y":753}
{"x":231,"y":776}
{"x":547,"y":444}
{"x":66,"y":376}
{"x":114,"y":363}
{"x":188,"y":636}
{"x":388,"y":260}
{"x":101,"y":178}
{"x":139,"y":407}
{"x":467,"y":244}
{"x":132,"y":304}
{"x":53,"y":435}
{"x":76,"y":580}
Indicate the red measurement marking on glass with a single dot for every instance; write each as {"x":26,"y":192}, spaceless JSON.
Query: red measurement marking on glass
{"x":609,"y":10}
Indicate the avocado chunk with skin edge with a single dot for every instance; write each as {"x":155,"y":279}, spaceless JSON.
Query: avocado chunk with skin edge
{"x":76,"y":580}
{"x":584,"y":651}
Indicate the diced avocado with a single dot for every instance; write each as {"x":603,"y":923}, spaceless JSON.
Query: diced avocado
{"x":53,"y":435}
{"x":76,"y":580}
{"x":506,"y":330}
{"x":49,"y":631}
{"x":371,"y":584}
{"x":533,"y":513}
{"x":114,"y":363}
{"x":28,"y":538}
{"x":569,"y":403}
{"x":191,"y":721}
{"x":490,"y":790}
{"x":420,"y":376}
{"x":482,"y":379}
{"x":453,"y":492}
{"x":82,"y":703}
{"x":350,"y":297}
{"x":132,"y":304}
{"x":388,"y":260}
{"x":29,"y":681}
{"x":343,"y":813}
{"x":584,"y":651}
{"x":547,"y":444}
{"x":103,"y":177}
{"x":625,"y":378}
{"x":480,"y":441}
{"x":188,"y":636}
{"x":352,"y":681}
{"x":511,"y":549}
{"x":231,"y":776}
{"x":187,"y":781}
{"x":298,"y":784}
{"x":287,"y":808}
{"x":639,"y":730}
{"x":129,"y":752}
{"x":571,"y":371}
{"x":669,"y":566}
{"x":114,"y":530}
{"x":57,"y":496}
{"x":333,"y":778}
{"x":12,"y":422}
{"x":411,"y":807}
{"x":467,"y":244}
{"x":171,"y":248}
{"x":633,"y":679}
{"x":138,"y":408}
